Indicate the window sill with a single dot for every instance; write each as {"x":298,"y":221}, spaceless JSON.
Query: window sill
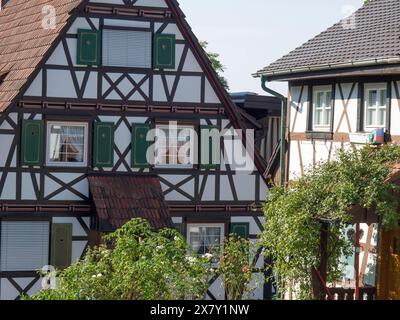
{"x":68,"y":166}
{"x":173,"y":167}
{"x":314,"y":135}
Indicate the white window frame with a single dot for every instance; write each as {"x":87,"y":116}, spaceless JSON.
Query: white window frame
{"x":202,"y":225}
{"x":324,"y":108}
{"x":192,"y":147}
{"x":379,"y":87}
{"x":85,"y":147}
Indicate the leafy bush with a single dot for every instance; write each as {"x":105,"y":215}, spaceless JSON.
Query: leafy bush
{"x":325,"y":193}
{"x":141,"y":265}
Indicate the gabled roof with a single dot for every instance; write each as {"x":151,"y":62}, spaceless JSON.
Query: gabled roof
{"x":24,"y":42}
{"x":118,"y":199}
{"x":374,"y":39}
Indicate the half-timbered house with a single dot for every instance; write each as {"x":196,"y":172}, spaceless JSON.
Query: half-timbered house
{"x":344,"y":84}
{"x":82,"y":82}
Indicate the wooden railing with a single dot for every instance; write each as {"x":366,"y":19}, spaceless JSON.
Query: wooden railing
{"x":349,"y":294}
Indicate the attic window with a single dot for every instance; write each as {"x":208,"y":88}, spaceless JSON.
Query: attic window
{"x":127,"y":48}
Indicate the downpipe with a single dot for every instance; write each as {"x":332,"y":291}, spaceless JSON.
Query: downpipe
{"x":283,"y":99}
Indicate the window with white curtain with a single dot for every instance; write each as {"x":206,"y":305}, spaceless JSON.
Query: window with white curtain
{"x":24,"y":245}
{"x":375,"y":100}
{"x":322,"y":108}
{"x":203,"y":237}
{"x":175,"y":145}
{"x":127,"y":48}
{"x":67,"y":144}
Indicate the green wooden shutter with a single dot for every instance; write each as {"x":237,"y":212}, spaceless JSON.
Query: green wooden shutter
{"x":241,"y":229}
{"x":164,"y":51}
{"x":140,"y":145}
{"x":32,"y":143}
{"x":61,"y":245}
{"x":103,"y":146}
{"x":88,"y":52}
{"x":209,"y":144}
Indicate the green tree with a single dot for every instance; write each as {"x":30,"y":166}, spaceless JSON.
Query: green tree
{"x":326,"y":193}
{"x":216,"y":64}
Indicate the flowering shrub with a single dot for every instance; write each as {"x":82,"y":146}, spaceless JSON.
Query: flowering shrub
{"x":142,"y":265}
{"x":292,"y":228}
{"x":236,"y":266}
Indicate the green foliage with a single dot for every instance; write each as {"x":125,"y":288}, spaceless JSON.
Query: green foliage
{"x":325,"y":193}
{"x":236,"y":266}
{"x":216,"y":64}
{"x":142,"y":265}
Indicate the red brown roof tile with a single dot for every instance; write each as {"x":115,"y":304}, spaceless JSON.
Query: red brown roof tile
{"x":24,"y":42}
{"x":121,"y":198}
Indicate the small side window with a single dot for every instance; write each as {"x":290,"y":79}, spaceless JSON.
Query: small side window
{"x":375,"y":106}
{"x":322,"y":108}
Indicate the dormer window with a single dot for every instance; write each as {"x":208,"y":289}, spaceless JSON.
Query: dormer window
{"x":322,"y":108}
{"x":375,"y":106}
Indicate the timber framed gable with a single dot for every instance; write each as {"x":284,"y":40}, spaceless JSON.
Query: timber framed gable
{"x":110,"y":102}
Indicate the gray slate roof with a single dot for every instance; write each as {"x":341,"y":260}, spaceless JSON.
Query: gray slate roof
{"x":376,"y":36}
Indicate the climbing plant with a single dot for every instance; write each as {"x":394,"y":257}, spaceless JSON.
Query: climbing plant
{"x":325,"y":193}
{"x":236,"y":264}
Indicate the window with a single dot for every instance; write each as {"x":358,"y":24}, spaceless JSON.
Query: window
{"x":127,"y":48}
{"x":175,"y":146}
{"x":67,"y":144}
{"x":375,"y":106}
{"x":322,"y":108}
{"x":203,"y":237}
{"x":24,"y":245}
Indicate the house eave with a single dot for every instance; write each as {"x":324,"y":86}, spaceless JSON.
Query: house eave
{"x":287,"y":74}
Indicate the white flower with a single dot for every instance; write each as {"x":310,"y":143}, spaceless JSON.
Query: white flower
{"x":99,"y":275}
{"x":159,"y":248}
{"x":207,"y":256}
{"x":212,"y":270}
{"x":191,"y":259}
{"x":176,"y":238}
{"x":94,"y":276}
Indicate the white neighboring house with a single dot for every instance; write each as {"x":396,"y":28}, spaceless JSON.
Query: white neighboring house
{"x":343,"y":85}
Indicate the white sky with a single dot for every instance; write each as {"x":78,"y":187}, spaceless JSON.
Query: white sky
{"x":250,"y":34}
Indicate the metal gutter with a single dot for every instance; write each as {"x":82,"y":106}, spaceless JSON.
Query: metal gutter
{"x":332,"y":66}
{"x":283,"y":99}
